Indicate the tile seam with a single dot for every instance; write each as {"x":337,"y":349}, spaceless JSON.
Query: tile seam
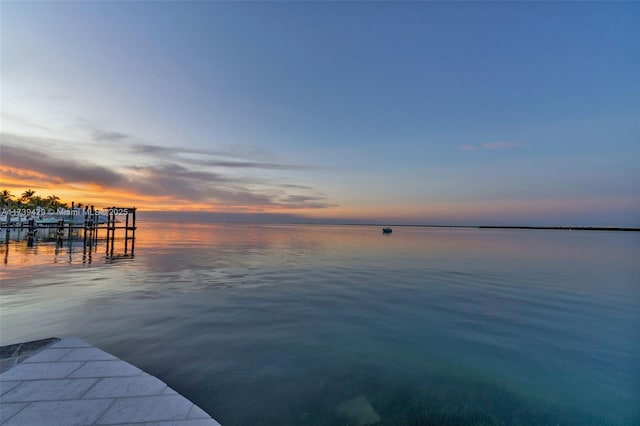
{"x":16,"y":413}
{"x":104,"y":412}
{"x":12,"y":389}
{"x":190,"y":410}
{"x":76,"y":369}
{"x":97,"y":380}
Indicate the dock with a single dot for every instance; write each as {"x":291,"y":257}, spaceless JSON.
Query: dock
{"x":68,"y":382}
{"x":77,"y":226}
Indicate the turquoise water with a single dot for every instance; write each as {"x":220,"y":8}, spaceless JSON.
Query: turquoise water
{"x":342,"y":325}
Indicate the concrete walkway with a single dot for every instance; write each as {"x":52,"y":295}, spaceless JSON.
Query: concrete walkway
{"x":71,"y":383}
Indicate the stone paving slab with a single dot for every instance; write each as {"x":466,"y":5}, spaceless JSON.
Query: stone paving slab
{"x":104,"y":369}
{"x":69,"y":413}
{"x":86,"y":354}
{"x":7,"y":386}
{"x":9,"y":410}
{"x":46,"y":390}
{"x":192,"y":422}
{"x":48,"y":355}
{"x":40,"y":370}
{"x":71,"y":342}
{"x":115,"y":387}
{"x":146,"y":408}
{"x":71,"y":383}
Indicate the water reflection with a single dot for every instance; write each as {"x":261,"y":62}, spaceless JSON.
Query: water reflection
{"x":24,"y":247}
{"x":427,"y":326}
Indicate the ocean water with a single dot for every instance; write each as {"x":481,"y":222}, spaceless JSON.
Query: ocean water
{"x":342,"y":325}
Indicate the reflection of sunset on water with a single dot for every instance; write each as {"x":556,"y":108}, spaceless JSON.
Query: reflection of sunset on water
{"x":297,"y":241}
{"x":471,"y":309}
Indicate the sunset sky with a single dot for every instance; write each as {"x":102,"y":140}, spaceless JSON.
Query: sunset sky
{"x":506,"y":113}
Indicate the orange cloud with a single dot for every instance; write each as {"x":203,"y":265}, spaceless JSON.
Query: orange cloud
{"x":162,"y":179}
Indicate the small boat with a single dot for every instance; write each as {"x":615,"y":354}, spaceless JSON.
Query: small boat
{"x":387,"y":230}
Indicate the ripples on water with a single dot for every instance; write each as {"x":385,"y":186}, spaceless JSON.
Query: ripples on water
{"x":315,"y":325}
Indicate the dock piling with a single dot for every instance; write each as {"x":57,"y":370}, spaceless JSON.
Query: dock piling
{"x":81,"y":224}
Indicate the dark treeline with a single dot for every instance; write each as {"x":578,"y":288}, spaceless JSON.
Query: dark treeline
{"x":29,"y":199}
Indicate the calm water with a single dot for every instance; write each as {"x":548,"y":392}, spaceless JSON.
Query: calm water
{"x":335,"y":325}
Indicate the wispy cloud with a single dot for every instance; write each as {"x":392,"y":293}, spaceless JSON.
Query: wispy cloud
{"x":468,"y":148}
{"x":247,"y":165}
{"x":234,"y":157}
{"x":202,"y":186}
{"x":292,"y":186}
{"x":143,"y":148}
{"x":109,"y":136}
{"x":56,"y":169}
{"x":209,"y":158}
{"x":155,"y":173}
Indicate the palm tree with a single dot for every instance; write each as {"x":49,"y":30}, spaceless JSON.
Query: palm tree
{"x":35,"y":201}
{"x":6,"y":196}
{"x":52,"y":202}
{"x":26,"y":195}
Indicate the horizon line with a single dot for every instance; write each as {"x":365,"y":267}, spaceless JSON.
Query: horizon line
{"x":300,"y":220}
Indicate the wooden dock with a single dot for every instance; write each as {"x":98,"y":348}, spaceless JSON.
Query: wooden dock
{"x":88,"y":225}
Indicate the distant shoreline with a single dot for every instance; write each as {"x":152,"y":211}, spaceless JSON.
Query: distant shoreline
{"x":566,"y":228}
{"x":559,"y":228}
{"x":285,"y":219}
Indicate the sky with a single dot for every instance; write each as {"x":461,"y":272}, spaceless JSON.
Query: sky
{"x":452,"y":113}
